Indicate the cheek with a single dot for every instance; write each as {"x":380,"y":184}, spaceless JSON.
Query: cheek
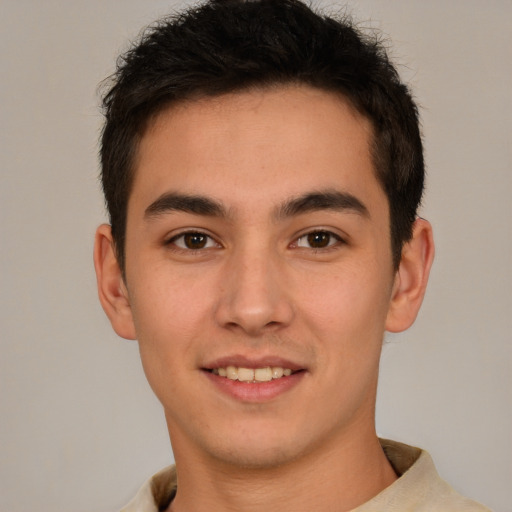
{"x":168,"y":315}
{"x":168,"y":303}
{"x":347,"y":295}
{"x":348,"y":301}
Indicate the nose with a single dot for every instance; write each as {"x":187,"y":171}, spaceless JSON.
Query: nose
{"x":254,"y":296}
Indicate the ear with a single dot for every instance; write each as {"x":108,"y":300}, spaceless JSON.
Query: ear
{"x":112,"y":290}
{"x":411,"y":278}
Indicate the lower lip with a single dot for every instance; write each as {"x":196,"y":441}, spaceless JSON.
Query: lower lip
{"x":255,"y":392}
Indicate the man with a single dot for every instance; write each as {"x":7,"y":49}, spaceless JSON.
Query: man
{"x":262,"y":167}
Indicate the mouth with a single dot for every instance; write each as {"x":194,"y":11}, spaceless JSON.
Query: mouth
{"x":254,"y":380}
{"x":253,"y":375}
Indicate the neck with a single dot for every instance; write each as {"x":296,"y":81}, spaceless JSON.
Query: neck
{"x":335,"y":477}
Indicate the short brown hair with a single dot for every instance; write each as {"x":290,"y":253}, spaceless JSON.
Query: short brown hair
{"x":230,"y":45}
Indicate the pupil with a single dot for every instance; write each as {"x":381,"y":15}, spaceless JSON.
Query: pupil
{"x":319,"y":239}
{"x":195,"y":240}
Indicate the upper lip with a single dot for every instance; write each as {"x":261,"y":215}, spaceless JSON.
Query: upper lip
{"x":252,"y":362}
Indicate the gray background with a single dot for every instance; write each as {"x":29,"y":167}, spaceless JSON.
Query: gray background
{"x":79,"y":427}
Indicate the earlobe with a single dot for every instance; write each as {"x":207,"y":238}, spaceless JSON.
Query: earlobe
{"x":411,"y":278}
{"x":112,"y":290}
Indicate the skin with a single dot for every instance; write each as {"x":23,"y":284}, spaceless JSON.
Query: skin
{"x":257,"y":289}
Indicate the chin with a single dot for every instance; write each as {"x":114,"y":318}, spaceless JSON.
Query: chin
{"x":256,"y":457}
{"x":260,"y":447}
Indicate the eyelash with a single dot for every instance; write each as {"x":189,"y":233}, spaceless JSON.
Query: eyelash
{"x":333,"y":240}
{"x":209,"y":240}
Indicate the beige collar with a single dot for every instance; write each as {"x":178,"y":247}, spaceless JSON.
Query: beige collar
{"x":418,"y":488}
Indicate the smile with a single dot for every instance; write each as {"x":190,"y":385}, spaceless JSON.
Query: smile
{"x":242,"y":374}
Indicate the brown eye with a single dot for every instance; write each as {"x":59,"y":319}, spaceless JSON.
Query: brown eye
{"x":318,"y":240}
{"x":193,"y":241}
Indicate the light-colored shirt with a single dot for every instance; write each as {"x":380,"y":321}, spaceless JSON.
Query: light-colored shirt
{"x":419,"y":488}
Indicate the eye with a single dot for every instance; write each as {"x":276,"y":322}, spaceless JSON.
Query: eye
{"x":193,"y":240}
{"x":318,"y":240}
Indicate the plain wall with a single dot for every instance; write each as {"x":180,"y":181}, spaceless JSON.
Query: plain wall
{"x":79,"y":428}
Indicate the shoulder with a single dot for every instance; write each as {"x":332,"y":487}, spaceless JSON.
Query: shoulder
{"x":156,"y":493}
{"x":419,"y":487}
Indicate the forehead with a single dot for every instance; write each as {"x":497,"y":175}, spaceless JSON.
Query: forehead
{"x":262,"y":143}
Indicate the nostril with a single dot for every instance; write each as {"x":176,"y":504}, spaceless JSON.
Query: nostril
{"x":253,"y":302}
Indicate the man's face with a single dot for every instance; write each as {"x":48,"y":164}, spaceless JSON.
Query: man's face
{"x":258,"y":237}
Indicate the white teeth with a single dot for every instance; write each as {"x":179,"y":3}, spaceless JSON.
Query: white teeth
{"x":245,"y":374}
{"x":277,"y":372}
{"x":252,"y":375}
{"x":231,"y":373}
{"x":263,"y":374}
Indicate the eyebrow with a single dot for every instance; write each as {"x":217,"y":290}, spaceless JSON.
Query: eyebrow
{"x":323,"y":200}
{"x":172,"y":202}
{"x":205,"y":206}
